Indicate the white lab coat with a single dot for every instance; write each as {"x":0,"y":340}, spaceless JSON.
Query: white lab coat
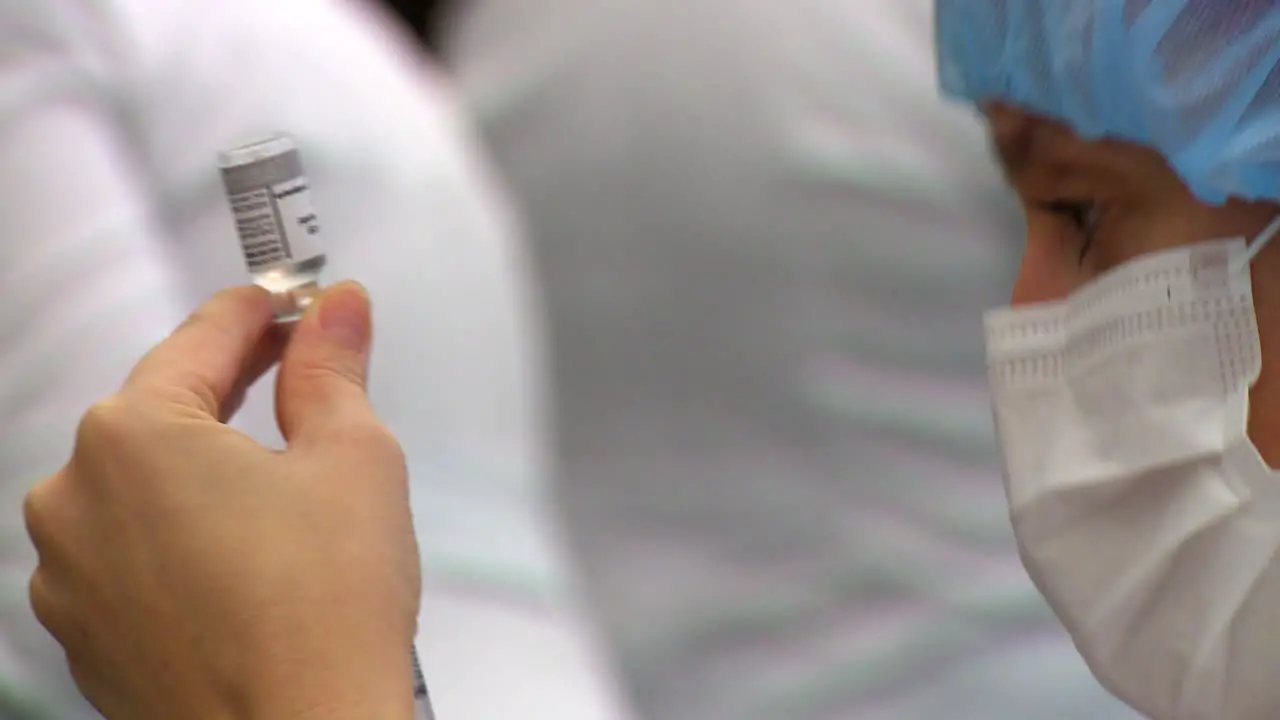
{"x":114,"y":227}
{"x":767,"y":245}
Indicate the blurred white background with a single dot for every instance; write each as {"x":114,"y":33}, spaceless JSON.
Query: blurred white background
{"x":766,"y":245}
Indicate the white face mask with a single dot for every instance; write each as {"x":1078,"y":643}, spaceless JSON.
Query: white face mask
{"x":1142,"y":511}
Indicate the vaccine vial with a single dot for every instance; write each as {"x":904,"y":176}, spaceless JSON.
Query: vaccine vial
{"x":277,"y":225}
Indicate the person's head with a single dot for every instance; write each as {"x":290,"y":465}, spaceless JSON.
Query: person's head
{"x":1128,"y":127}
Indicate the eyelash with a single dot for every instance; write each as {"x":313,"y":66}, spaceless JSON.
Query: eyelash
{"x":1083,"y":214}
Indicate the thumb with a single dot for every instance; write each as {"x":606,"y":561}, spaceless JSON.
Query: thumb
{"x":324,"y":372}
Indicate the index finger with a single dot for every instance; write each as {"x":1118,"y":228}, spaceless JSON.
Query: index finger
{"x":209,"y":356}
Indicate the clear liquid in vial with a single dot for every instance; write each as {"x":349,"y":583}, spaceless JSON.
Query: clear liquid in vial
{"x":294,"y":286}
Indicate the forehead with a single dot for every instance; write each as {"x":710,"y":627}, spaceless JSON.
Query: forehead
{"x":1011,"y":136}
{"x":1037,"y":153}
{"x":1023,"y":140}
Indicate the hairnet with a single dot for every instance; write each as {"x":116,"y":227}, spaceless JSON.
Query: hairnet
{"x":1198,"y":80}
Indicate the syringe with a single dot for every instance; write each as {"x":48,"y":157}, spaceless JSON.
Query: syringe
{"x":279,"y":233}
{"x":421,"y":699}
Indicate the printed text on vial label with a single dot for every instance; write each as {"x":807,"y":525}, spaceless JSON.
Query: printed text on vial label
{"x":277,"y":224}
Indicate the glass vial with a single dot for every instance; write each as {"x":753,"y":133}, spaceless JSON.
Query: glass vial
{"x":279,"y":232}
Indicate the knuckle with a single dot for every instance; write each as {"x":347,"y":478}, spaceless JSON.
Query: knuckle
{"x":212,"y":316}
{"x":44,"y":608}
{"x":379,"y":438}
{"x":374,"y":439}
{"x":323,"y":370}
{"x":106,"y":422}
{"x":82,"y":673}
{"x":190,"y":395}
{"x":36,"y":517}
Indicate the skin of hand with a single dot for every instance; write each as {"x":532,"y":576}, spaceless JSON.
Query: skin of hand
{"x":189,"y":572}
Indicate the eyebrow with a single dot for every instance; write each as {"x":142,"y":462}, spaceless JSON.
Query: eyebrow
{"x":1040,"y":157}
{"x":1034,"y":153}
{"x":1013,"y":150}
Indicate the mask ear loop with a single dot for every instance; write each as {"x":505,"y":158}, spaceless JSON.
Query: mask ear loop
{"x":1264,"y":238}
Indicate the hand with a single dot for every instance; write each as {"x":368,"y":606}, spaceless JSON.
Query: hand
{"x":191,"y":573}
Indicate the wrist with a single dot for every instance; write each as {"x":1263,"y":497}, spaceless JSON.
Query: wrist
{"x":361,"y":686}
{"x":347,"y":703}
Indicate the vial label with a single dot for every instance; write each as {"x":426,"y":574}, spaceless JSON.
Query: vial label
{"x":301,"y":226}
{"x":277,"y":224}
{"x":271,"y":202}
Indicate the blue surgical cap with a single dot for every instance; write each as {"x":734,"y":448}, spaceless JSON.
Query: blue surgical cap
{"x":1197,"y":80}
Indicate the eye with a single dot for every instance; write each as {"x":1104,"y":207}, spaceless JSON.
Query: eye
{"x":1083,"y":215}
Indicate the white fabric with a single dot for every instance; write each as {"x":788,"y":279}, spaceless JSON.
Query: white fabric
{"x":767,"y":247}
{"x":115,"y":226}
{"x":1141,"y":508}
{"x":490,"y":657}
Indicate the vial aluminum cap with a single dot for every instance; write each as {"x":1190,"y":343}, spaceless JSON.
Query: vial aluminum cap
{"x":268,"y":148}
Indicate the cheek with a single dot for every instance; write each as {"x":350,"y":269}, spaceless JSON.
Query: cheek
{"x":1049,"y":270}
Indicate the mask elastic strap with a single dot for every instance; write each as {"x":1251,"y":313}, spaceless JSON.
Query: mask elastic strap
{"x":1264,"y":238}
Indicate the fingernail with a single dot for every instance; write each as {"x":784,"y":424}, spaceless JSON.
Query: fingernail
{"x":344,"y":316}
